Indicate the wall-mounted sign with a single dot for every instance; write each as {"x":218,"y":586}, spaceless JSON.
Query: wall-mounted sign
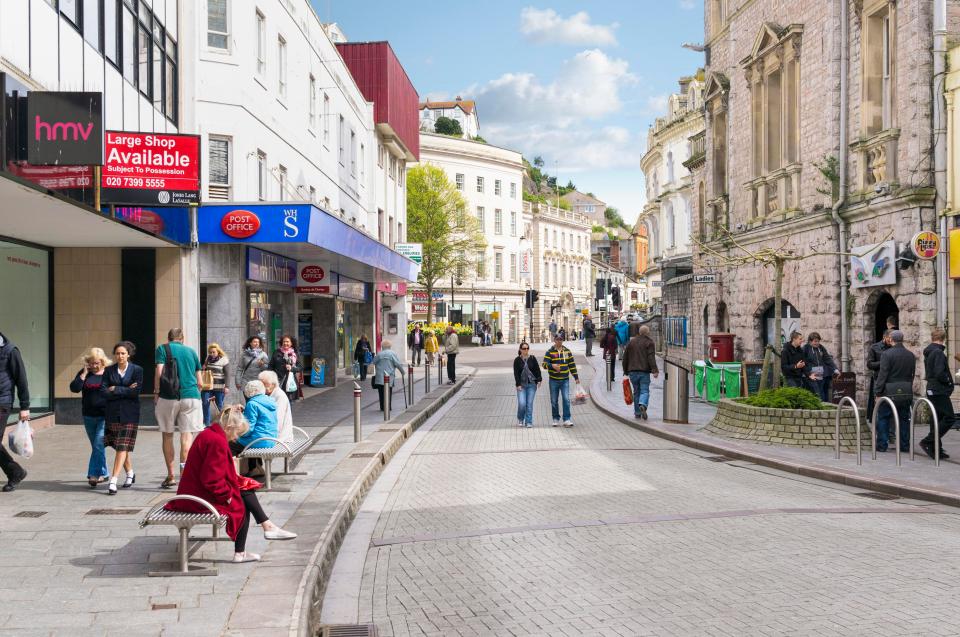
{"x":64,"y":129}
{"x":526,"y":263}
{"x":351,"y":289}
{"x":266,"y":267}
{"x":925,"y":244}
{"x":703,"y":278}
{"x":954,"y":252}
{"x":873,"y":265}
{"x":656,"y":284}
{"x":413,"y":251}
{"x":233,"y":224}
{"x":240,"y":224}
{"x":420,"y":296}
{"x":314,"y":278}
{"x":418,"y":308}
{"x":151,"y":168}
{"x":54,"y":177}
{"x":170,"y":223}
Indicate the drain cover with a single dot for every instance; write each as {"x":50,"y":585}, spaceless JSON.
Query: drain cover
{"x":362,"y":455}
{"x":349,"y":630}
{"x":873,"y":495}
{"x":30,"y":514}
{"x":717,"y":458}
{"x":113,"y":511}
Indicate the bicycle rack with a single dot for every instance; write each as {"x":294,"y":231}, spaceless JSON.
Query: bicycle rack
{"x":936,"y":428}
{"x":846,"y":400}
{"x":896,"y":422}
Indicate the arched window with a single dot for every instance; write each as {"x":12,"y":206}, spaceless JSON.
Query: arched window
{"x":670,"y":167}
{"x":669,"y":223}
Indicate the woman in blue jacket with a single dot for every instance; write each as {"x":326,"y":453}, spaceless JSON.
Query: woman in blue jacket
{"x":122,"y":383}
{"x":261,"y":413}
{"x":386,"y":362}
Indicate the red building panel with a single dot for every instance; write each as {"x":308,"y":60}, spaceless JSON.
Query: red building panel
{"x":383,"y":81}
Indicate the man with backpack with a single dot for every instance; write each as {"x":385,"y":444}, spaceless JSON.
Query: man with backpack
{"x":13,"y":382}
{"x":177,"y":401}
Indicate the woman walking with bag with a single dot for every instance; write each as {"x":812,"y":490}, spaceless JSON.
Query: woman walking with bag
{"x":284,"y":363}
{"x":431,"y":347}
{"x":89,"y":383}
{"x":253,"y":360}
{"x":122,"y":383}
{"x":526,"y":373}
{"x":214,"y":375}
{"x":363,"y":355}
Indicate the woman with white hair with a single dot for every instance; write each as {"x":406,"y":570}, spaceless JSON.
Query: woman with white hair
{"x":209,"y":474}
{"x":386,"y":362}
{"x":261,"y":413}
{"x":89,"y":384}
{"x":284,"y":414}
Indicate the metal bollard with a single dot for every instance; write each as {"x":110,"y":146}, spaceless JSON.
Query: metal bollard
{"x":410,"y":393}
{"x":357,"y":433}
{"x":426,"y":377}
{"x":606,"y":366}
{"x":439,"y":371}
{"x":387,"y":390}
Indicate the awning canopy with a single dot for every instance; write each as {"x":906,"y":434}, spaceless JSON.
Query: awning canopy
{"x":30,"y":214}
{"x":306,"y":233}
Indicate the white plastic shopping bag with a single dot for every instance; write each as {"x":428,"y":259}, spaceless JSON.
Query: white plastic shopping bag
{"x":20,"y":440}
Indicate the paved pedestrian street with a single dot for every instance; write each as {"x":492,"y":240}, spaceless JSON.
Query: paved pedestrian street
{"x":479,"y":527}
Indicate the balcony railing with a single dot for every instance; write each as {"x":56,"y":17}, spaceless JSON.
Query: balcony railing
{"x":777,"y":193}
{"x":698,"y":151}
{"x":877,"y":159}
{"x":547,"y":210}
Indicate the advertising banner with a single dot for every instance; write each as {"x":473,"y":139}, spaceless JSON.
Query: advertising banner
{"x":151,"y":168}
{"x":64,"y":128}
{"x":315,"y":278}
{"x":873,"y":265}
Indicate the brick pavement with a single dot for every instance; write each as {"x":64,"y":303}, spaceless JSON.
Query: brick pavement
{"x":605,"y":530}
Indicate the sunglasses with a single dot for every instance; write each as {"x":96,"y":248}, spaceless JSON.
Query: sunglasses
{"x":524,"y":348}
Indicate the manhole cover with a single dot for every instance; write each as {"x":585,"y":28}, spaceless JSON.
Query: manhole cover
{"x":363,"y":455}
{"x":30,"y":514}
{"x":349,"y":630}
{"x":873,"y":495}
{"x":113,"y":511}
{"x":325,"y":450}
{"x":717,"y":458}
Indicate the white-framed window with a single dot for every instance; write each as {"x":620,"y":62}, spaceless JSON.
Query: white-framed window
{"x":340,"y":133}
{"x":313,"y":195}
{"x":546,"y":237}
{"x":261,"y":175}
{"x":479,"y":184}
{"x":312,"y":97}
{"x":497,"y":189}
{"x":498,"y":266}
{"x":555,"y":244}
{"x":281,"y":66}
{"x":460,"y":181}
{"x":481,"y":218}
{"x":556,"y":276}
{"x":401,"y":172}
{"x":326,"y":120}
{"x":590,"y":209}
{"x":282,"y":177}
{"x":498,"y":221}
{"x":513,"y":190}
{"x":353,"y":153}
{"x":481,"y":265}
{"x":261,"y":44}
{"x":513,"y":223}
{"x":380,"y":153}
{"x":546,"y":275}
{"x":219,"y":167}
{"x":513,"y":266}
{"x":363,"y":163}
{"x":218,"y":25}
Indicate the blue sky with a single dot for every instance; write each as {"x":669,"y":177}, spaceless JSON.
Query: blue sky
{"x":575,"y":82}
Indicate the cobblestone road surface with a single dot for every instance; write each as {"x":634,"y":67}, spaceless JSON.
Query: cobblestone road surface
{"x":490,"y":529}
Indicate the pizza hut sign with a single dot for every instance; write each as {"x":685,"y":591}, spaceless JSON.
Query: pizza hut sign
{"x":313,"y":278}
{"x":240,"y":224}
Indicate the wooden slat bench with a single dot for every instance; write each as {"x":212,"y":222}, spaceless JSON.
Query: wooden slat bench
{"x":184,"y":522}
{"x":286,"y":450}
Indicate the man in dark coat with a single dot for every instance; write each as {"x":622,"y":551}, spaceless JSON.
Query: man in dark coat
{"x":415,"y":341}
{"x":589,"y":333}
{"x":639,"y":363}
{"x":873,"y":364}
{"x":13,"y":384}
{"x":792,"y":361}
{"x":895,"y":381}
{"x":939,"y":388}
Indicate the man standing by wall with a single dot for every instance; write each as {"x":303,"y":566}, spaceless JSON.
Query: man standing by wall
{"x":589,"y":333}
{"x":177,"y":405}
{"x":451,"y":345}
{"x":13,"y":382}
{"x":639,"y":363}
{"x":939,"y":388}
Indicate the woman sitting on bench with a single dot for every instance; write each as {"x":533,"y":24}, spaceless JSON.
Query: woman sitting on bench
{"x":209,"y":474}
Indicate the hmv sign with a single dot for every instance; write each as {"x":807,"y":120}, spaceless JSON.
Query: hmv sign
{"x":64,"y":129}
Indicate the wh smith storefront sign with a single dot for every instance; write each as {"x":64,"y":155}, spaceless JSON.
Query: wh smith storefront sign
{"x":265,"y":267}
{"x":151,"y":168}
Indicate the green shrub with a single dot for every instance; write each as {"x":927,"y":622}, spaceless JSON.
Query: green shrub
{"x":785,"y":398}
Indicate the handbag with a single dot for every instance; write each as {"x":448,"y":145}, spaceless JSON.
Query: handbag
{"x":627,"y":391}
{"x":899,"y":392}
{"x":206,"y":379}
{"x":367,"y":356}
{"x":247,"y":484}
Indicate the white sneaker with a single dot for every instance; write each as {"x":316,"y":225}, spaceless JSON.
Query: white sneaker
{"x":568,"y":423}
{"x":519,"y":423}
{"x":556,"y":423}
{"x":279,"y":534}
{"x":239,"y":558}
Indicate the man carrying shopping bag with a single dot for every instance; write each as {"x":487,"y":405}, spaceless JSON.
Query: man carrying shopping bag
{"x":13,"y":383}
{"x":639,"y":363}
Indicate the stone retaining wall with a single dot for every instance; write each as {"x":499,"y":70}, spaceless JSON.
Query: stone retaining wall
{"x":798,"y":427}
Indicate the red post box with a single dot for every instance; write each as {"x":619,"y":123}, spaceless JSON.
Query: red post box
{"x":721,"y":348}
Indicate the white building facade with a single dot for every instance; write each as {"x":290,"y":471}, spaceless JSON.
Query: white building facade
{"x":459,"y":109}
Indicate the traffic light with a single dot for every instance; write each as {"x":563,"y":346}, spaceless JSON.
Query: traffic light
{"x":530,"y":298}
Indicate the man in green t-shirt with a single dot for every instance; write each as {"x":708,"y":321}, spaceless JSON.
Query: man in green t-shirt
{"x":181,"y":410}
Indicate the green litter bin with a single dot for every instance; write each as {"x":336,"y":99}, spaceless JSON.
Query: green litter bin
{"x":731,"y":380}
{"x":698,"y":377}
{"x":713,"y":375}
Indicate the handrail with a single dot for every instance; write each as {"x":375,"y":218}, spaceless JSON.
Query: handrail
{"x":856,"y":414}
{"x":305,"y":434}
{"x":936,"y":427}
{"x":192,"y":498}
{"x":896,"y":421}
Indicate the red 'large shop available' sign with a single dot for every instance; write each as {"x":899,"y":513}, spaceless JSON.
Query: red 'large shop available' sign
{"x":151,"y":168}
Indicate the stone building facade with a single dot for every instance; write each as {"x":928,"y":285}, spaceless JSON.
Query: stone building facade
{"x":772,"y":142}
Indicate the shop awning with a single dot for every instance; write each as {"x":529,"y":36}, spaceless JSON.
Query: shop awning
{"x":306,"y":233}
{"x":30,"y":214}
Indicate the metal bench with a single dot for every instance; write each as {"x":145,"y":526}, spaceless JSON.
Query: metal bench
{"x":286,"y":450}
{"x":184,"y":522}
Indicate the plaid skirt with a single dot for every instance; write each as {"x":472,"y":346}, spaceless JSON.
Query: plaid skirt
{"x":120,"y":436}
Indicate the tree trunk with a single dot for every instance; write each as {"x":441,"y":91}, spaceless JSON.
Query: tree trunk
{"x":429,"y":287}
{"x":777,"y":317}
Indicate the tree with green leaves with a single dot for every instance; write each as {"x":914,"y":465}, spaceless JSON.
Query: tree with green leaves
{"x":448,"y":126}
{"x":538,"y":161}
{"x":437,"y":218}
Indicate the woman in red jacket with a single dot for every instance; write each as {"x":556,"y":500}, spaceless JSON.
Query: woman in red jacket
{"x":210,"y":474}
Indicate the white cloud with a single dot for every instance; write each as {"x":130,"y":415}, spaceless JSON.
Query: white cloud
{"x":577,"y":150}
{"x":547,"y":26}
{"x":657,"y":104}
{"x":687,"y":5}
{"x":587,"y":86}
